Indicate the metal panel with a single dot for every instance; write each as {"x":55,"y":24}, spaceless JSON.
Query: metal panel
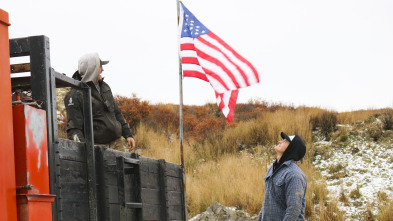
{"x":63,"y":81}
{"x":31,"y":151}
{"x":123,"y":165}
{"x":73,"y":202}
{"x":19,"y":68}
{"x":163,"y":190}
{"x":19,"y":47}
{"x":22,"y":83}
{"x":7,"y":171}
{"x":75,"y":193}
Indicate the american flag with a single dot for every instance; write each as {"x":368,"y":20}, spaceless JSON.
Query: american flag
{"x":205,"y":56}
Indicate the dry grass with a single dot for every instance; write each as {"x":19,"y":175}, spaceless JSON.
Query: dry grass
{"x":386,"y":212}
{"x":217,"y":171}
{"x":354,"y":116}
{"x":385,"y":207}
{"x":157,"y":145}
{"x":232,"y":180}
{"x":266,"y":129}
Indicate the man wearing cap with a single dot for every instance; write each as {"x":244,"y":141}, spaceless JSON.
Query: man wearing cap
{"x":285,"y":182}
{"x":109,"y":124}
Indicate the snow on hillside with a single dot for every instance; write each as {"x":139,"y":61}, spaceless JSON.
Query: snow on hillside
{"x":357,"y":168}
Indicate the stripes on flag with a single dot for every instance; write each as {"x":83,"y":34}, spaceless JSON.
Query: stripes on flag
{"x":206,"y":56}
{"x":227,"y":102}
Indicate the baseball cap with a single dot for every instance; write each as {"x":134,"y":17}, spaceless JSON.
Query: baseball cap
{"x":286,"y":137}
{"x":296,"y":149}
{"x":103,"y":62}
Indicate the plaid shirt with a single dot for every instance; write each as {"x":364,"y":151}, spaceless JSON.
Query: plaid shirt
{"x":285,"y":193}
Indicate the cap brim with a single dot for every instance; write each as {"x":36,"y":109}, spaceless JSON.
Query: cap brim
{"x":285,"y":136}
{"x":103,"y":62}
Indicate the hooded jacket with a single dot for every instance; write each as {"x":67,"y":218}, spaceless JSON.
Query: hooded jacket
{"x":108,"y":121}
{"x":89,"y":68}
{"x":295,"y":150}
{"x":285,"y":185}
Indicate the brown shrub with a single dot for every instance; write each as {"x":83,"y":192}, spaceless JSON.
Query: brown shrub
{"x":190,"y":121}
{"x":208,"y":128}
{"x":326,"y":121}
{"x":133,"y":109}
{"x":254,"y":109}
{"x":166,"y":118}
{"x":387,"y":120}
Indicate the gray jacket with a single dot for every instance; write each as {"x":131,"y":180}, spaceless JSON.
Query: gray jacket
{"x":285,"y":193}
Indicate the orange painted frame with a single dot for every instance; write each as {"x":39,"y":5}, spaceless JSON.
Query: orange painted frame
{"x":7,"y":165}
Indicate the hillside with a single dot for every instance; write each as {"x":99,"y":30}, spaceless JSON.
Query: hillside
{"x":348,"y":160}
{"x":357,"y":164}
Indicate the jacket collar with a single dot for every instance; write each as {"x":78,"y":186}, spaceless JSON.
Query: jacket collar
{"x":270,"y":171}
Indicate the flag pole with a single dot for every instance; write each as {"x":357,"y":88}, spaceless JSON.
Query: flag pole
{"x":181,"y":122}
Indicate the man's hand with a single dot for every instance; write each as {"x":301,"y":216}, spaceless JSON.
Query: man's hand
{"x":131,"y":143}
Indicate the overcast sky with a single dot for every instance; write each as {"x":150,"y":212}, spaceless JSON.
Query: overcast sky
{"x":335,"y":54}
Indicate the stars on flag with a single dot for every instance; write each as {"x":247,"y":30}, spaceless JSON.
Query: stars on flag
{"x":192,"y":27}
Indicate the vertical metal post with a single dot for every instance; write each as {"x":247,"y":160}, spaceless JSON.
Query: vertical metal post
{"x":181,"y":121}
{"x":43,"y":89}
{"x":90,"y":156}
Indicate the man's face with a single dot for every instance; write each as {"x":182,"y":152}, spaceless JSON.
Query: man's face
{"x":281,"y":146}
{"x":99,"y":76}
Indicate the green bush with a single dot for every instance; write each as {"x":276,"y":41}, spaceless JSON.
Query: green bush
{"x":343,"y":138}
{"x":355,"y":194}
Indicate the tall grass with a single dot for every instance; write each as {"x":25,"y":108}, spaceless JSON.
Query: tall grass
{"x":266,"y":129}
{"x":228,"y":166}
{"x":234,"y":180}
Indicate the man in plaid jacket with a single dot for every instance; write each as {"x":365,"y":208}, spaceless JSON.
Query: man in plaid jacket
{"x":285,"y":183}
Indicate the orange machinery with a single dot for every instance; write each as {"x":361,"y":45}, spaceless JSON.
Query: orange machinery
{"x":24,"y":176}
{"x":7,"y":168}
{"x":31,"y":169}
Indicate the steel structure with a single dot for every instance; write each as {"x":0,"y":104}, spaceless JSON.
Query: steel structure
{"x":84,"y":182}
{"x":42,"y":83}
